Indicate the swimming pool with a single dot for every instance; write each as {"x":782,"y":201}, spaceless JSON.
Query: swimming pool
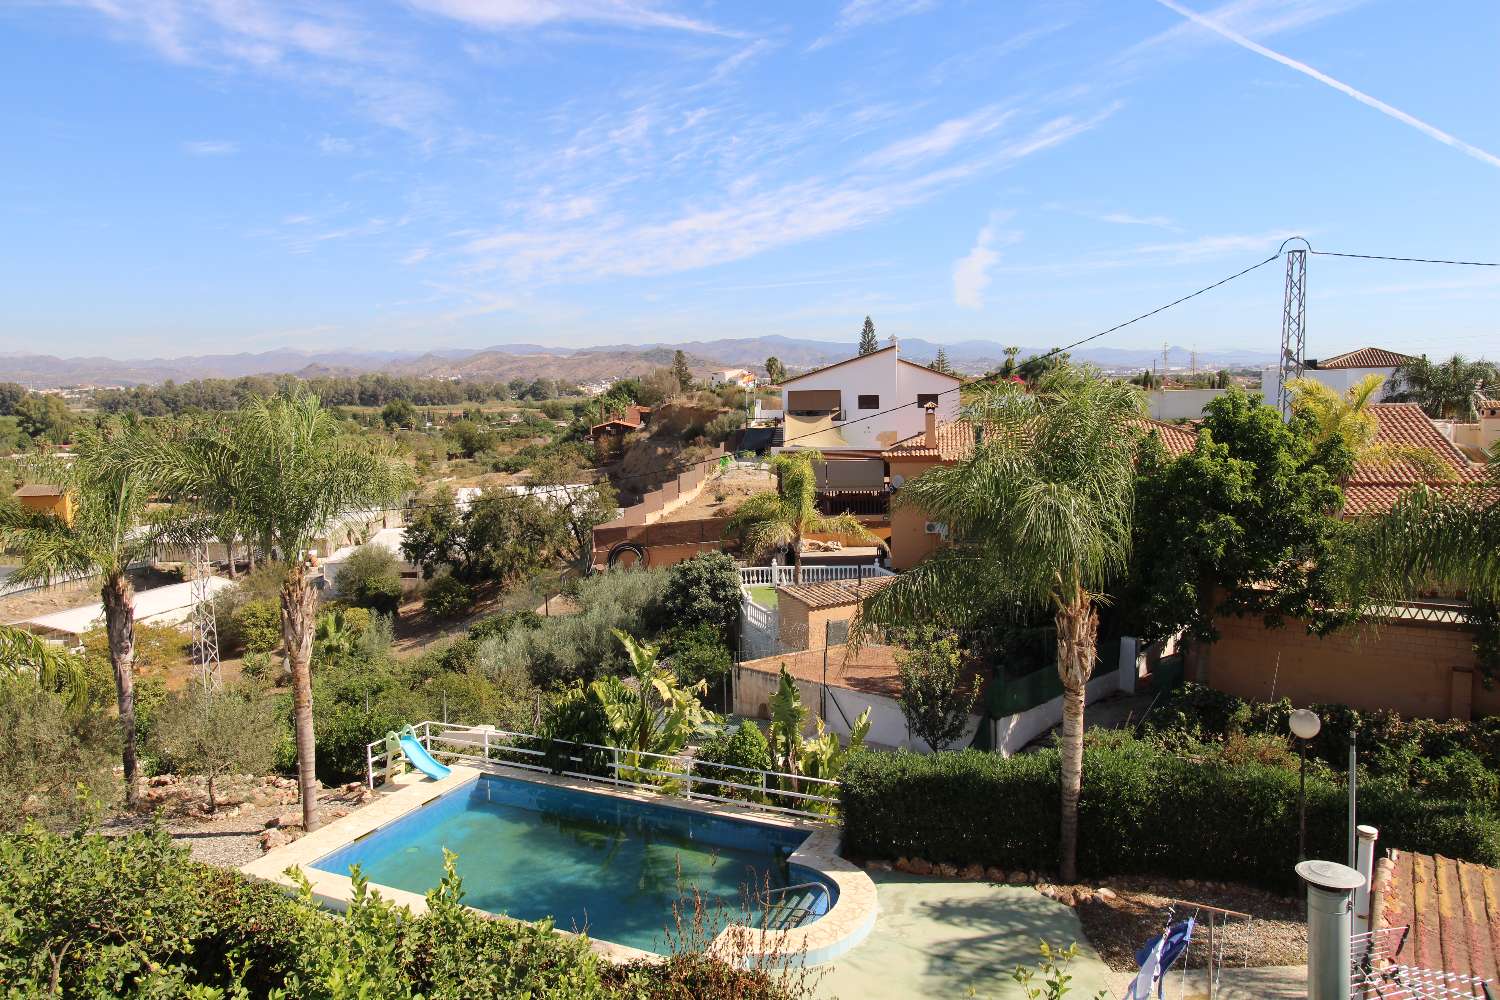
{"x":611,"y":866}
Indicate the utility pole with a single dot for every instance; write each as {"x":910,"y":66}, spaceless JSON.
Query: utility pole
{"x":1166,"y":364}
{"x":1293,"y":326}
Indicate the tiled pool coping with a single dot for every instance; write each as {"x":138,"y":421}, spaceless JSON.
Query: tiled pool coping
{"x":841,"y":928}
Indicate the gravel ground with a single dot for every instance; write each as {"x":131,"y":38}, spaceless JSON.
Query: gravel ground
{"x":1276,"y":936}
{"x":248,"y":807}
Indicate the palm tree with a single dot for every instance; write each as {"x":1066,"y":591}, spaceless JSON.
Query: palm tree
{"x":1349,"y":422}
{"x":1446,"y":390}
{"x":25,"y":655}
{"x":291,"y":472}
{"x":107,"y":534}
{"x":1039,"y":517}
{"x":769,"y":522}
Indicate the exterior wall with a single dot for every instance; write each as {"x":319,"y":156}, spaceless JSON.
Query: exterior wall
{"x":58,"y":506}
{"x":801,"y":627}
{"x":665,"y":543}
{"x":909,"y":542}
{"x":876,"y":374}
{"x":1472,"y":438}
{"x":1414,"y":668}
{"x":1181,"y":404}
{"x":1340,"y":380}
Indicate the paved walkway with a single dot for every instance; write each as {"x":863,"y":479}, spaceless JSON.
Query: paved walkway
{"x":943,"y":938}
{"x":1271,"y":982}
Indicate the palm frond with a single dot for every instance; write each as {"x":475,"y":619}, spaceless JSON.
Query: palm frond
{"x":25,"y":655}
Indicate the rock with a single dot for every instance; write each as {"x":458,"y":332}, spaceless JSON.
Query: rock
{"x":919,"y":867}
{"x":1017,"y":878}
{"x":878,"y":866}
{"x":231,"y":812}
{"x":353,"y":786}
{"x":994,"y":874}
{"x":903,"y":864}
{"x":1106,"y":894}
{"x":947,"y":870}
{"x":272,"y":839}
{"x":160,"y":780}
{"x":972,"y":872}
{"x":285,"y":820}
{"x":1083,"y":896}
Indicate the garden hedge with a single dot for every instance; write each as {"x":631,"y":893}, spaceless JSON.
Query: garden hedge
{"x":98,"y":917}
{"x":1143,"y":810}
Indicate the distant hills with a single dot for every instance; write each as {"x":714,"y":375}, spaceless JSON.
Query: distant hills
{"x":529,"y":361}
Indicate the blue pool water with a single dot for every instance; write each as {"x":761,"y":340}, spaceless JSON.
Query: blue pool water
{"x":610,"y":866}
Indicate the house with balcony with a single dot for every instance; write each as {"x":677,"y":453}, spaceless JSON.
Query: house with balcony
{"x":851,"y":412}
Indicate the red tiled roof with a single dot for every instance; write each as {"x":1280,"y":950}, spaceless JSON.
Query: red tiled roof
{"x":834,"y":593}
{"x":1366,"y":357}
{"x":1376,"y":485}
{"x":955,"y":441}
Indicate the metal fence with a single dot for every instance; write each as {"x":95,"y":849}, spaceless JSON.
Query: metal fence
{"x":670,"y":774}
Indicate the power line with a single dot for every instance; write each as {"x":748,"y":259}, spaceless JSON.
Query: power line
{"x":1406,"y":260}
{"x":880,"y":413}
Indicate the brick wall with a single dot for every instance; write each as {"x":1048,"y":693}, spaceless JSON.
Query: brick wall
{"x":1414,"y":668}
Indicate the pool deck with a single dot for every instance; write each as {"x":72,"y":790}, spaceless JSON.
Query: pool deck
{"x":844,"y":926}
{"x":945,"y":937}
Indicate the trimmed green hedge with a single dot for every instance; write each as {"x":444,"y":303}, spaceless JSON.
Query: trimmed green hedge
{"x":1143,"y":811}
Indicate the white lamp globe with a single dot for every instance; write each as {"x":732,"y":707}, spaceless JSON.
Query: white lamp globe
{"x":1304,"y":723}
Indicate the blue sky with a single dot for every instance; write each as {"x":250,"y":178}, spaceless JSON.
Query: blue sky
{"x":193,"y":176}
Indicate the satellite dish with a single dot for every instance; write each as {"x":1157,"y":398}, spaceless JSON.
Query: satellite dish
{"x":897,"y":480}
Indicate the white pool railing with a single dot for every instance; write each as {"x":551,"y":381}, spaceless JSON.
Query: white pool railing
{"x":624,"y":767}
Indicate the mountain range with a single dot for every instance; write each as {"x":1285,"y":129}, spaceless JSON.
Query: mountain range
{"x":507,"y":361}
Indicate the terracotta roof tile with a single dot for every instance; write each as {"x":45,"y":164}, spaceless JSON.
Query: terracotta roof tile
{"x":1375,"y":486}
{"x":1366,"y":357}
{"x":833,"y":593}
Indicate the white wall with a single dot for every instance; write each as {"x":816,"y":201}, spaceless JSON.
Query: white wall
{"x":1181,"y":404}
{"x":1340,"y":380}
{"x":887,"y":724}
{"x":880,"y":375}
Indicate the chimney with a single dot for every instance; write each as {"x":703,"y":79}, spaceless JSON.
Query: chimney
{"x":930,"y":425}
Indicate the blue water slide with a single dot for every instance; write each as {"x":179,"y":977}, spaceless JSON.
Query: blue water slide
{"x":418,"y":757}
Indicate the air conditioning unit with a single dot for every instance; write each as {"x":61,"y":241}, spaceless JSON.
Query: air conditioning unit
{"x":936,"y":528}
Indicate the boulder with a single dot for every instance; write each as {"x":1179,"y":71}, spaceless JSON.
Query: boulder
{"x":272,"y":839}
{"x":1017,"y":877}
{"x":878,"y":866}
{"x":972,"y":872}
{"x":947,"y":871}
{"x":1106,"y":894}
{"x":994,"y":874}
{"x":285,"y":820}
{"x":903,"y":864}
{"x":160,"y":780}
{"x":919,"y":867}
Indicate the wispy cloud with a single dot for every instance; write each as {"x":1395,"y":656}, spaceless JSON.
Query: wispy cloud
{"x":1431,"y":131}
{"x":511,"y":14}
{"x":211,"y":147}
{"x":1126,"y":219}
{"x":855,"y":14}
{"x":332,"y":145}
{"x":971,"y":272}
{"x":941,"y":139}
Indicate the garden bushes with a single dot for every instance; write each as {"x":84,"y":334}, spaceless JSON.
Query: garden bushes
{"x":103,"y":917}
{"x":1144,"y":810}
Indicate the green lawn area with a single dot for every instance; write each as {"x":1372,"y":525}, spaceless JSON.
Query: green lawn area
{"x":764,"y":595}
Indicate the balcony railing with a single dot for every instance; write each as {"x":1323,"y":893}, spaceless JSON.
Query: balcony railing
{"x":860,"y":503}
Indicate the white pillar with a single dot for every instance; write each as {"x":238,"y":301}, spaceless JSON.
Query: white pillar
{"x":1363,"y":918}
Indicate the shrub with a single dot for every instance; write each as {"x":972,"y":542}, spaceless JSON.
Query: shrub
{"x":132,"y":916}
{"x":504,"y":623}
{"x":703,"y":590}
{"x":936,"y":696}
{"x":697,"y":653}
{"x":371,"y":578}
{"x":219,"y":732}
{"x":258,"y":625}
{"x":449,"y":597}
{"x":257,"y":666}
{"x":744,"y":746}
{"x":1143,"y":810}
{"x":53,"y":760}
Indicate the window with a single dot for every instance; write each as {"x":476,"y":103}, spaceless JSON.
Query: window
{"x":869,"y":402}
{"x":923,"y":398}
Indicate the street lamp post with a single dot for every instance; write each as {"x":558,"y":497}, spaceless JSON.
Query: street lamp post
{"x":1304,"y":725}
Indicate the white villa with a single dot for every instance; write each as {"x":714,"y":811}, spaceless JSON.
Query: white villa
{"x":1341,"y":372}
{"x":859,"y":407}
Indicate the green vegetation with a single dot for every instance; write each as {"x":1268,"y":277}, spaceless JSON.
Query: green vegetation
{"x":936,"y":693}
{"x":1039,"y":519}
{"x":216,"y":732}
{"x":1446,"y":390}
{"x":371,"y":578}
{"x":1207,"y":813}
{"x":105,"y":917}
{"x":771,"y":522}
{"x":867,"y":342}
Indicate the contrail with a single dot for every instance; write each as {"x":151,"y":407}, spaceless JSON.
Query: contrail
{"x":1339,"y":85}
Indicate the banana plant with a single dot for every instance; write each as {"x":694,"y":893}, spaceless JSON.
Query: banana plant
{"x":655,"y":715}
{"x":820,"y":756}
